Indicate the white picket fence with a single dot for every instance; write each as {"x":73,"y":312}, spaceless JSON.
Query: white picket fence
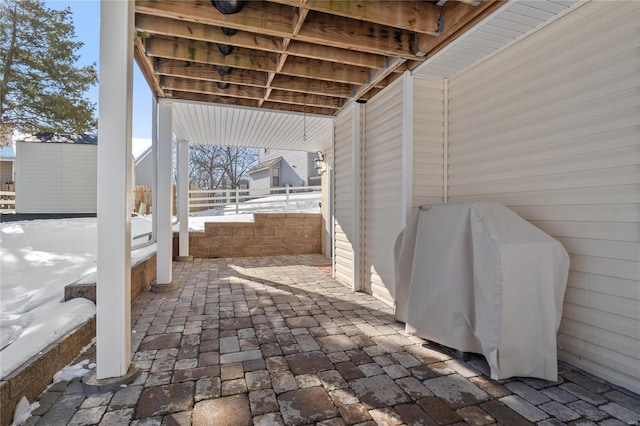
{"x":7,"y":201}
{"x":245,"y":200}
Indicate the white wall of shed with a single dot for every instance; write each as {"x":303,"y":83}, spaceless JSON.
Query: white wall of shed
{"x":551,"y":128}
{"x":56,"y":178}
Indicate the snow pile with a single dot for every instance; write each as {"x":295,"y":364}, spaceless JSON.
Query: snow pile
{"x":23,"y":411}
{"x":70,"y":372}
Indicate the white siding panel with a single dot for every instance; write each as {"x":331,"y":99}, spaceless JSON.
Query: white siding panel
{"x":551,"y":127}
{"x":382,"y":189}
{"x":79,"y":178}
{"x":428,"y":138}
{"x":343,"y":198}
{"x":39,"y":178}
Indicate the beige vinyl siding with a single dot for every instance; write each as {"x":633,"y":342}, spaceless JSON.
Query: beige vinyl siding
{"x":343,"y":198}
{"x":551,"y":127}
{"x":382,"y":189}
{"x":428,"y":137}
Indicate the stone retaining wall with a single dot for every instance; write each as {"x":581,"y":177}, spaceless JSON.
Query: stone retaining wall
{"x":33,"y":377}
{"x":269,"y":235}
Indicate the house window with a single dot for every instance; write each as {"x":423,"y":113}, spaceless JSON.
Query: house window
{"x":276,"y":177}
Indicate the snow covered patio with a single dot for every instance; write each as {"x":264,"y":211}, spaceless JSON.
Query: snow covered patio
{"x":275,"y":340}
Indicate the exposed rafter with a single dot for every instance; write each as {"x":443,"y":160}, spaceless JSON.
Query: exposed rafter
{"x":313,"y":56}
{"x":413,"y":15}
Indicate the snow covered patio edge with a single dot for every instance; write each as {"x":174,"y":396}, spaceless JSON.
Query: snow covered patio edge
{"x":33,"y":377}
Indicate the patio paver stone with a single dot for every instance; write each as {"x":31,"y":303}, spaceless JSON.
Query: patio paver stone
{"x":275,"y":341}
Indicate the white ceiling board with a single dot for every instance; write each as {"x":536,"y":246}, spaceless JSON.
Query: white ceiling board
{"x":514,"y":20}
{"x":210,"y":124}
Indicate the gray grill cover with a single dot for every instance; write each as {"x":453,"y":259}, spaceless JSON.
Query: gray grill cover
{"x":479,"y":278}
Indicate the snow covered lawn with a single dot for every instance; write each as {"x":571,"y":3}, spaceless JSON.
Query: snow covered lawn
{"x":39,"y":258}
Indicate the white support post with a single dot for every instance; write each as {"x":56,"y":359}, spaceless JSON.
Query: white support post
{"x":113,"y":292}
{"x":154,"y":159}
{"x":287,"y":194}
{"x":237,"y":201}
{"x":183,"y":200}
{"x":407,"y":148}
{"x":445,"y":157}
{"x":356,"y":167}
{"x":164,"y":252}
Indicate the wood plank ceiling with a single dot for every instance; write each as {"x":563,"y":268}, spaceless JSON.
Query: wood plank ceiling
{"x":313,"y":56}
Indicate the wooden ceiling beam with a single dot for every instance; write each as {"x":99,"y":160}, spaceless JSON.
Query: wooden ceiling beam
{"x":198,"y":51}
{"x":344,"y":33}
{"x":146,"y":66}
{"x":379,"y":76}
{"x":148,"y":25}
{"x":210,"y":88}
{"x":412,"y":15}
{"x":273,"y":19}
{"x":333,"y":54}
{"x":214,"y":99}
{"x":208,"y":33}
{"x":298,"y":108}
{"x":305,"y":99}
{"x":192,"y":70}
{"x":326,"y":71}
{"x":457,"y":18}
{"x":315,"y":87}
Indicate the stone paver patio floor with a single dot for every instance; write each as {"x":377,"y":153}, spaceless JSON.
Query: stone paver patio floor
{"x":272,"y":341}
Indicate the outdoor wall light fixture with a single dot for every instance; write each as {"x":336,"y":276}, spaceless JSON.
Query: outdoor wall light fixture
{"x":319,"y":163}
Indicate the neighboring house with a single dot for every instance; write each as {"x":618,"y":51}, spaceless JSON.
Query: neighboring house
{"x":56,"y":173}
{"x":283,"y":167}
{"x":7,"y":164}
{"x":143,"y":168}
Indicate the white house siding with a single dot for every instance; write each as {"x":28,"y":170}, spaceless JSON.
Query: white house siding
{"x":260,"y":181}
{"x":551,"y":127}
{"x":343,"y":198}
{"x":428,"y":138}
{"x":56,"y":178}
{"x":143,"y":173}
{"x":382,"y":189}
{"x":290,"y":175}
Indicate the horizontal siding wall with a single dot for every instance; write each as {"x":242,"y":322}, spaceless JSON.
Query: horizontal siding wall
{"x":382,"y":189}
{"x":79,"y":178}
{"x":551,"y":128}
{"x":343,"y":198}
{"x":38,"y":178}
{"x":428,"y":137}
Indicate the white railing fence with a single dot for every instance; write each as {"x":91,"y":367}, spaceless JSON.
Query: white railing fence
{"x":245,"y":200}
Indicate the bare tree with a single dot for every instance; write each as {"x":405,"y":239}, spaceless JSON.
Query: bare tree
{"x":217,"y":167}
{"x":238,"y":162}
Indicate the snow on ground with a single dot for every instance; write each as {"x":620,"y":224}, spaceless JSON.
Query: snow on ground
{"x":39,"y":258}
